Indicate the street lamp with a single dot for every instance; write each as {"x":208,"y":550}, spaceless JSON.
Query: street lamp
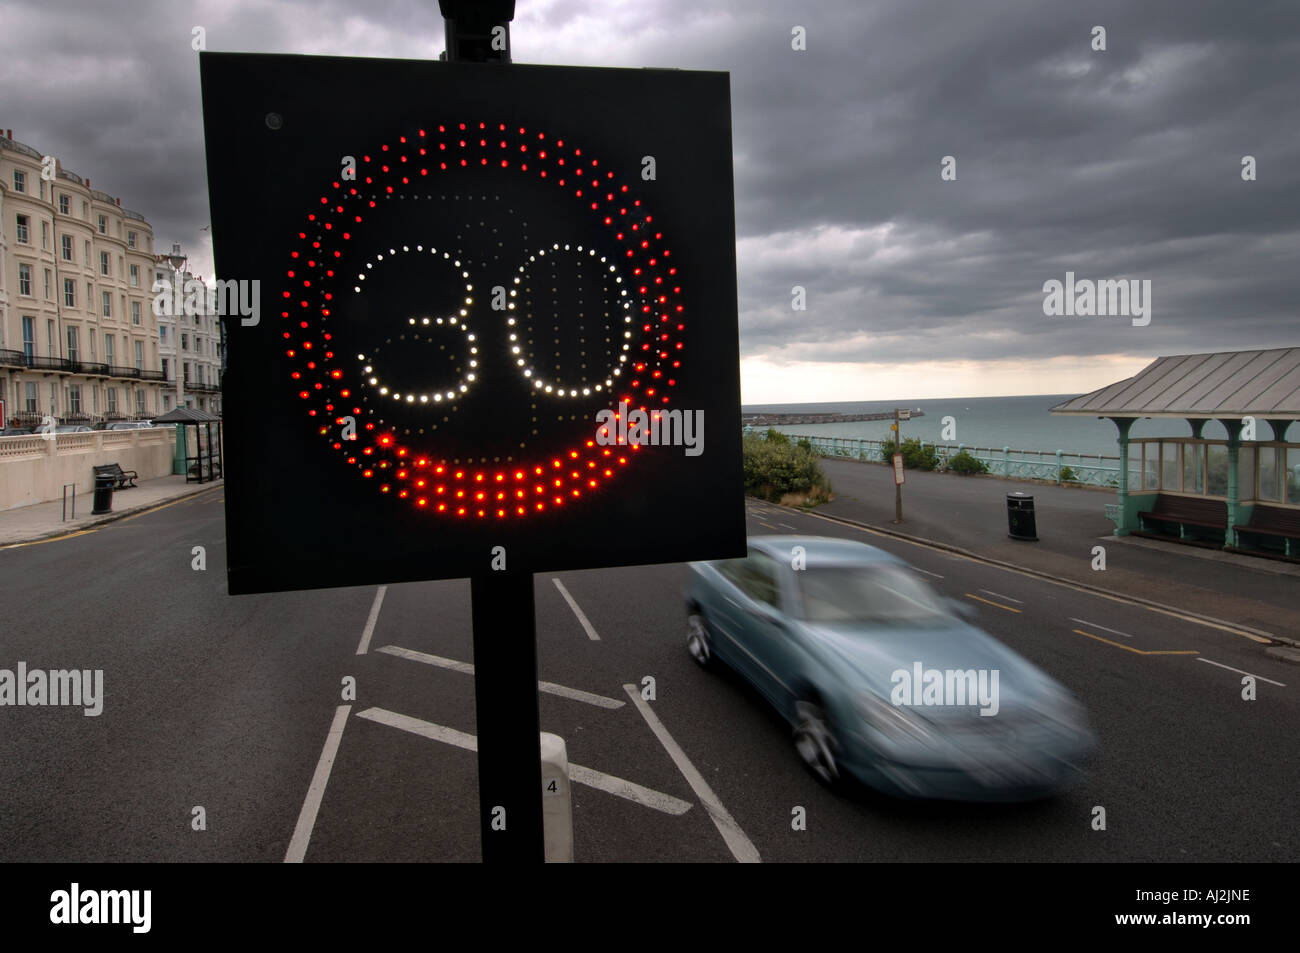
{"x":177,"y":261}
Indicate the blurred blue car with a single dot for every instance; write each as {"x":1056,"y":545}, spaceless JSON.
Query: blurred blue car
{"x":880,"y":677}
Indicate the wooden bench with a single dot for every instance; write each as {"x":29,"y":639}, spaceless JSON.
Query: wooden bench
{"x":1274,"y":521}
{"x":123,"y":479}
{"x":1185,"y":511}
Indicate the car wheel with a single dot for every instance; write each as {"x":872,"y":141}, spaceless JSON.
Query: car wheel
{"x":699,"y":640}
{"x":815,"y":742}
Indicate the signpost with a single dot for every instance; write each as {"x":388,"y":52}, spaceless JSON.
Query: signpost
{"x":497,"y":336}
{"x":898,"y":462}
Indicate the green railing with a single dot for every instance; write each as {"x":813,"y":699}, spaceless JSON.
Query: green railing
{"x":1059,"y":466}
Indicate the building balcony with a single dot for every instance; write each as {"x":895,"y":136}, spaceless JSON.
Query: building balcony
{"x":92,"y":368}
{"x":116,"y":370}
{"x":38,"y":363}
{"x":151,"y":375}
{"x":12,"y":358}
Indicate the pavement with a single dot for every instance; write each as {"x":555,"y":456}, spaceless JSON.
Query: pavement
{"x":28,"y":524}
{"x":969,"y":515}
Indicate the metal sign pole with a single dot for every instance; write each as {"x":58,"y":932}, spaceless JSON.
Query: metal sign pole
{"x":898,"y":487}
{"x":507,"y":714}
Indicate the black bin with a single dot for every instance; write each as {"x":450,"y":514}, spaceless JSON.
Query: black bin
{"x":103,"y":493}
{"x":1020,"y":517}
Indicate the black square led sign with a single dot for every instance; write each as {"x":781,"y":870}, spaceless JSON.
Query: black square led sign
{"x":480,"y":306}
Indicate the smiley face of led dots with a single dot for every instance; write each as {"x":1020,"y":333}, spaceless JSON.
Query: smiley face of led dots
{"x":402,"y":169}
{"x":423,"y":397}
{"x":541,"y":384}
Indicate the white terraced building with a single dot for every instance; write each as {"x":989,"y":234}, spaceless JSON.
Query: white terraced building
{"x":78,"y":338}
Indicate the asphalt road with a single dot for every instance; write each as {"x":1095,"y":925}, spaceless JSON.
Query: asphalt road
{"x":226,"y":704}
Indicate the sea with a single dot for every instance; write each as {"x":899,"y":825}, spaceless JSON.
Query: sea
{"x":1020,"y":423}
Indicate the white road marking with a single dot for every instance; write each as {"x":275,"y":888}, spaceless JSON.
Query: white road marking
{"x":369,"y":630}
{"x":1240,"y":672}
{"x":647,"y":797}
{"x":563,"y":691}
{"x":786,"y":525}
{"x":1001,"y":596}
{"x":316,"y":791}
{"x":1094,"y":625}
{"x":577,"y":610}
{"x":742,"y":848}
{"x":927,"y":572}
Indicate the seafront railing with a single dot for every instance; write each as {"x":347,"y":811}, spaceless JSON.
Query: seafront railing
{"x":1059,"y":466}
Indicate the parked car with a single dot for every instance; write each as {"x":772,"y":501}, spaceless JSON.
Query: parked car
{"x":72,"y":428}
{"x":130,"y":425}
{"x":881,"y":678}
{"x":16,"y":432}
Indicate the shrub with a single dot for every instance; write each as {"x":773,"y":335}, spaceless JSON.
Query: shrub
{"x":915,"y":456}
{"x":965,"y":464}
{"x":1068,"y":475}
{"x":775,"y":468}
{"x":775,"y":436}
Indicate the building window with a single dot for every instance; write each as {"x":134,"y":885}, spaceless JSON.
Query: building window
{"x":49,"y":292}
{"x":29,"y":339}
{"x":64,"y":205}
{"x":85,"y":210}
{"x":162,"y":333}
{"x":25,"y":280}
{"x":167,"y":402}
{"x":139,"y":355}
{"x":67,"y":248}
{"x":121,"y":268}
{"x":103,"y":263}
{"x":107,"y":299}
{"x":185,"y":342}
{"x":130,"y":239}
{"x":74,"y":398}
{"x":166,"y":376}
{"x":108,"y":349}
{"x":139,"y":403}
{"x":86,"y":258}
{"x":69,"y":293}
{"x":103,"y":224}
{"x":135,"y":276}
{"x":90,"y":297}
{"x":112,"y":400}
{"x":20,"y":180}
{"x":135,"y":312}
{"x":186,"y":371}
{"x":49,"y":337}
{"x":73,"y":342}
{"x":29,"y":397}
{"x":24,"y":228}
{"x":45,"y":235}
{"x":94,"y":399}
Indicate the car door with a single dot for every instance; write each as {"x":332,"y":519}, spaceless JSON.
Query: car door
{"x":768,"y":632}
{"x":755,"y":612}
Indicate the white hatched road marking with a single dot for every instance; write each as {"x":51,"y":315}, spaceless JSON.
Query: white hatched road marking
{"x":563,"y":691}
{"x":316,"y":791}
{"x":742,"y":848}
{"x":619,"y":787}
{"x":582,"y":617}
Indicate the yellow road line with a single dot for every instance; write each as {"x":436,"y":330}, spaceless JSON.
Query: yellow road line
{"x":761,"y":523}
{"x":183,"y":499}
{"x":1129,"y":648}
{"x":991,"y":602}
{"x":52,"y":539}
{"x":1195,"y":620}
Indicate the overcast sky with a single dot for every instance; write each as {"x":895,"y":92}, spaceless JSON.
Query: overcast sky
{"x":1125,"y":163}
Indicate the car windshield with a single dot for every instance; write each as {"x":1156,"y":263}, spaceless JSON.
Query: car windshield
{"x":883,"y":595}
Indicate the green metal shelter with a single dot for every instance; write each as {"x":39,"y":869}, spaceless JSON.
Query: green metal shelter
{"x":1254,"y":473}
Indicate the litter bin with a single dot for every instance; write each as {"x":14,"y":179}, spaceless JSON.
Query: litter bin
{"x":103,"y":493}
{"x":1020,"y":517}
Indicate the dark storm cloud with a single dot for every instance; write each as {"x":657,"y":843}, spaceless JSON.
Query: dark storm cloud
{"x":1117,"y":164}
